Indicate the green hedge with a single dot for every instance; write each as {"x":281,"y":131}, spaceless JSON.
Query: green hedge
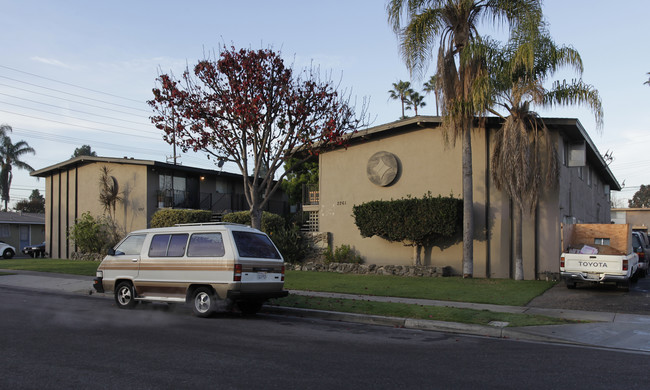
{"x":412,"y":221}
{"x":170,"y":217}
{"x":271,"y":223}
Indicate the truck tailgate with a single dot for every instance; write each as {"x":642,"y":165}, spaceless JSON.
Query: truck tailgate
{"x":594,"y":263}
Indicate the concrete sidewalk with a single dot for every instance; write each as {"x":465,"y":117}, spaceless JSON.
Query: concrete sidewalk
{"x":608,"y":330}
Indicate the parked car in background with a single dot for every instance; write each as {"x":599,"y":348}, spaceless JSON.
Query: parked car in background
{"x":35,"y":250}
{"x":7,"y":250}
{"x":642,"y":248}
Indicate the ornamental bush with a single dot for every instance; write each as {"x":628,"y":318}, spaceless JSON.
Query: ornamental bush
{"x":271,"y":223}
{"x":95,"y":235}
{"x":291,"y":244}
{"x":171,"y":217}
{"x":413,"y":221}
{"x":342,"y":254}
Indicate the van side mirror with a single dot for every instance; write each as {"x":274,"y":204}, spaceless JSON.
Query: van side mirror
{"x":111,"y":252}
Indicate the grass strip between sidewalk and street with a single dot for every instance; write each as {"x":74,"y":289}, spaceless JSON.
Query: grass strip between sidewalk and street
{"x":438,"y":313}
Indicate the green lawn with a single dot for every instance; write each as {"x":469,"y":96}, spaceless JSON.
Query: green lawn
{"x":493,"y":291}
{"x":74,"y":267}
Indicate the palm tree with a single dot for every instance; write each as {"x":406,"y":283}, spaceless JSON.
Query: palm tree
{"x":4,"y":129}
{"x":432,"y":86}
{"x":10,"y":156}
{"x":525,"y":159}
{"x":415,"y":100}
{"x":452,"y":25}
{"x":400,"y":92}
{"x":109,"y":192}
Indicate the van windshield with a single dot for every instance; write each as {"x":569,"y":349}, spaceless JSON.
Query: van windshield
{"x":132,"y":245}
{"x":255,"y":245}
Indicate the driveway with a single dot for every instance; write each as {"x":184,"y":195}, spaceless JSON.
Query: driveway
{"x":597,"y":298}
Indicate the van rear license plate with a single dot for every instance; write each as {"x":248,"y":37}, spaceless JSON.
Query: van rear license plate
{"x":261,"y":275}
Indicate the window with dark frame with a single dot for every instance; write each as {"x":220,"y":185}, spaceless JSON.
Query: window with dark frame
{"x":168,"y":245}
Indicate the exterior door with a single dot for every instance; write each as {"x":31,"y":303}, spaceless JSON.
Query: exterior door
{"x":24,"y":237}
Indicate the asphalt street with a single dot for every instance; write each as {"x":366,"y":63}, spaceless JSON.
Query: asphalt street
{"x":55,"y":340}
{"x":616,"y":330}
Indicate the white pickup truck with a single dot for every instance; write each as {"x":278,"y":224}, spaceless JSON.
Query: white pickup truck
{"x":598,"y":253}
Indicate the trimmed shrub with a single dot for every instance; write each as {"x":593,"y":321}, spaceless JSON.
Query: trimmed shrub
{"x":170,"y":217}
{"x":342,"y":254}
{"x":271,"y":223}
{"x":412,"y":221}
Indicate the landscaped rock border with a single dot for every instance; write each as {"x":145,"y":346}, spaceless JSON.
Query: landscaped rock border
{"x":86,"y":256}
{"x":373,"y":269}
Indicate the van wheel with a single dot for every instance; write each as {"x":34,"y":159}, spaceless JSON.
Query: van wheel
{"x":203,"y":303}
{"x":125,"y":296}
{"x":249,"y":307}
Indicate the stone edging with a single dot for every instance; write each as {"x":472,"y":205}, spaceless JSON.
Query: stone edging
{"x":373,"y":269}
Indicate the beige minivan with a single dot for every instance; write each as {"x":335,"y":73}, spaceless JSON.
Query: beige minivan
{"x":209,"y":266}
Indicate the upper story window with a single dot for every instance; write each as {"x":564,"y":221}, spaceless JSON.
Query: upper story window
{"x":169,"y":182}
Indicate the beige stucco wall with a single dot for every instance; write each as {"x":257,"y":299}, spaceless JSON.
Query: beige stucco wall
{"x":427,"y":164}
{"x":75,"y":191}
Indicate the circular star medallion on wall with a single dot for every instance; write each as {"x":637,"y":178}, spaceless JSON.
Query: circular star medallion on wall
{"x":382,"y":168}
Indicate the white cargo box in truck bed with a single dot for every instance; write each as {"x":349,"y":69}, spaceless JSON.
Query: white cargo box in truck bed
{"x":598,"y":253}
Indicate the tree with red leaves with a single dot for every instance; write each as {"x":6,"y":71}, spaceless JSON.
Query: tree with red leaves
{"x":248,"y":108}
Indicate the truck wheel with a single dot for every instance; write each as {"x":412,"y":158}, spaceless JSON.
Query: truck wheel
{"x":125,"y":296}
{"x":249,"y":308}
{"x":570,"y":285}
{"x":203,"y":302}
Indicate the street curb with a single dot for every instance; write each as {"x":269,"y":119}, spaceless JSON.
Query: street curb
{"x":412,"y":323}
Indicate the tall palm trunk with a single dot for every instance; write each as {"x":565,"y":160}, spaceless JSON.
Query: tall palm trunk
{"x":518,"y":233}
{"x":468,"y":202}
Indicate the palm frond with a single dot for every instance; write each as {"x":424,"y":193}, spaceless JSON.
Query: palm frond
{"x":576,"y":92}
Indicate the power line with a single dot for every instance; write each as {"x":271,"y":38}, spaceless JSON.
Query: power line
{"x":80,"y":126}
{"x":106,"y":145}
{"x":69,"y":100}
{"x":75,"y":140}
{"x":64,"y":108}
{"x":72,"y":85}
{"x":75,"y":95}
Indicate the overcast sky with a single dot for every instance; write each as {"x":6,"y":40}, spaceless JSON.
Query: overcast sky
{"x":80,"y":72}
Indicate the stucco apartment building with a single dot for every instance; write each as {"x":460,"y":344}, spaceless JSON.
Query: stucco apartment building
{"x":363,"y":172}
{"x":72,"y":188}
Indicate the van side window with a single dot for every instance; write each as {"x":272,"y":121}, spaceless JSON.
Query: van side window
{"x":255,"y":245}
{"x":168,"y":245}
{"x":206,"y":244}
{"x":132,"y":245}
